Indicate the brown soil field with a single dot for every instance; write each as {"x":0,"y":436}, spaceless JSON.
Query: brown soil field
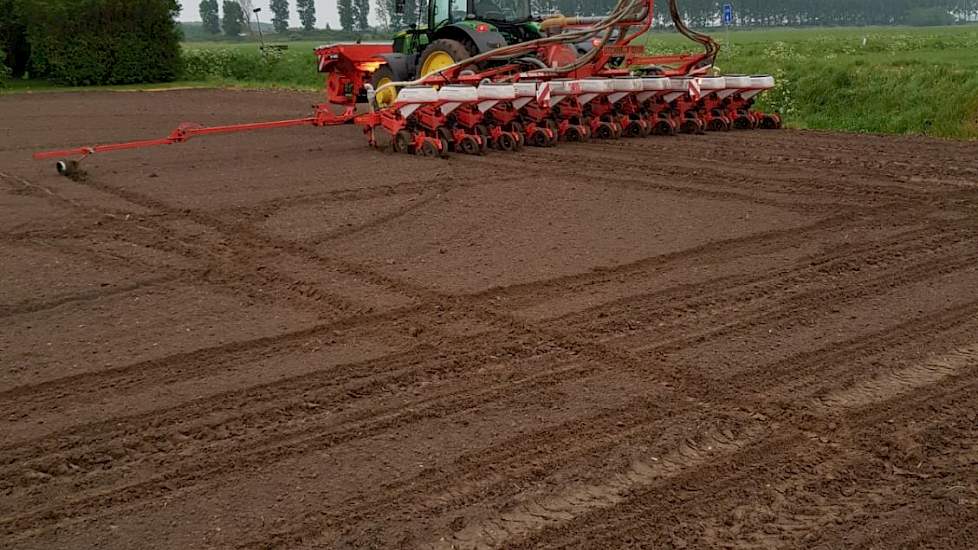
{"x":285,"y":339}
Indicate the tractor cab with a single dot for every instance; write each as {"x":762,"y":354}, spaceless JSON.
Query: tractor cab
{"x":497,"y":12}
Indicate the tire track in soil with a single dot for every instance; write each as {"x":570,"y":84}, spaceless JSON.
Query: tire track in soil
{"x":527,"y":294}
{"x":495,"y":527}
{"x":257,"y":212}
{"x":601,"y":354}
{"x":30,"y":306}
{"x":410,"y":365}
{"x":790,"y":308}
{"x":250,"y":454}
{"x":164,"y":239}
{"x":828,"y":468}
{"x":247,"y":244}
{"x":205,"y":356}
{"x":788,"y":161}
{"x":798,"y":375}
{"x":904,"y":379}
{"x":571,"y":502}
{"x":376,"y":222}
{"x":639,"y":180}
{"x":719,"y":182}
{"x":817,"y":148}
{"x":184,"y":365}
{"x":720,"y":396}
{"x":419,"y":364}
{"x":811,"y":270}
{"x":475,"y":477}
{"x":496,"y":531}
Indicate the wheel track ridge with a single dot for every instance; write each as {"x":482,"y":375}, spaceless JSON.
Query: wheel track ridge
{"x":200,"y":356}
{"x":731,"y":283}
{"x":215,"y":469}
{"x":31,"y":306}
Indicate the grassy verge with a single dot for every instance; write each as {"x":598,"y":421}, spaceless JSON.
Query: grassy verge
{"x":245,"y":64}
{"x":886,"y":80}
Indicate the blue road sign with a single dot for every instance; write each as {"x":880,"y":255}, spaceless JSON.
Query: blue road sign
{"x":728,"y":14}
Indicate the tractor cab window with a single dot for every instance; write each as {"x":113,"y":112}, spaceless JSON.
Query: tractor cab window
{"x":442,"y":12}
{"x":510,"y":11}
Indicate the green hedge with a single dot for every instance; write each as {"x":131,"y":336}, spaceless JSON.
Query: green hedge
{"x":91,"y":42}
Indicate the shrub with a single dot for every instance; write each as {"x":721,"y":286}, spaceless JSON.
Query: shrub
{"x":14,"y":50}
{"x":89,"y":42}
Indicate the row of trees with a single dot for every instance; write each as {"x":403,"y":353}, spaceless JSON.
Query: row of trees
{"x":236,"y":14}
{"x":828,"y":12}
{"x":704,"y":13}
{"x":233,"y":22}
{"x":354,"y":14}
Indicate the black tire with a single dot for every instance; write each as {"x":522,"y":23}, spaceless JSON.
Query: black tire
{"x":540,"y":138}
{"x":574,"y":134}
{"x":604,"y":131}
{"x":457,"y":50}
{"x":446,"y":136}
{"x":507,"y":142}
{"x":770,"y":123}
{"x":517,"y":129}
{"x":690,"y":126}
{"x":403,"y":142}
{"x":382,"y":74}
{"x":428,"y":149}
{"x":469,"y":146}
{"x":663,"y":127}
{"x":483,"y":132}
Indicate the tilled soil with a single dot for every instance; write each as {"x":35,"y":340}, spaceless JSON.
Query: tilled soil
{"x":287,"y":340}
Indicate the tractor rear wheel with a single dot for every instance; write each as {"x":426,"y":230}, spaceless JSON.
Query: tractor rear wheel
{"x":442,"y":53}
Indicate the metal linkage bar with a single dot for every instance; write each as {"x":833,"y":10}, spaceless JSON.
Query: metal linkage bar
{"x":186,"y":131}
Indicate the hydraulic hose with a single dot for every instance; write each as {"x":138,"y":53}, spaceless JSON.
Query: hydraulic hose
{"x":711,"y":45}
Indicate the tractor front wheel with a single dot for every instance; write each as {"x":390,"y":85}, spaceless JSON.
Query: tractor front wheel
{"x":384,"y":75}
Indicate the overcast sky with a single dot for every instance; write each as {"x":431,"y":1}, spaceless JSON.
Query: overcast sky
{"x":325,"y":12}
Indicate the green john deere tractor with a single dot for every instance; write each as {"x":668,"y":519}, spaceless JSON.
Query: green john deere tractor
{"x":455,"y":30}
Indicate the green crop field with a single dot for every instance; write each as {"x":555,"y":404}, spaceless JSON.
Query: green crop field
{"x":869,"y":79}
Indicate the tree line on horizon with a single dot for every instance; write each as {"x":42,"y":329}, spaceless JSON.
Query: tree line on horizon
{"x":232,"y":20}
{"x":774,"y":13}
{"x":354,"y":14}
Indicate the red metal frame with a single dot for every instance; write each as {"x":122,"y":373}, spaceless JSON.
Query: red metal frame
{"x":322,"y":117}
